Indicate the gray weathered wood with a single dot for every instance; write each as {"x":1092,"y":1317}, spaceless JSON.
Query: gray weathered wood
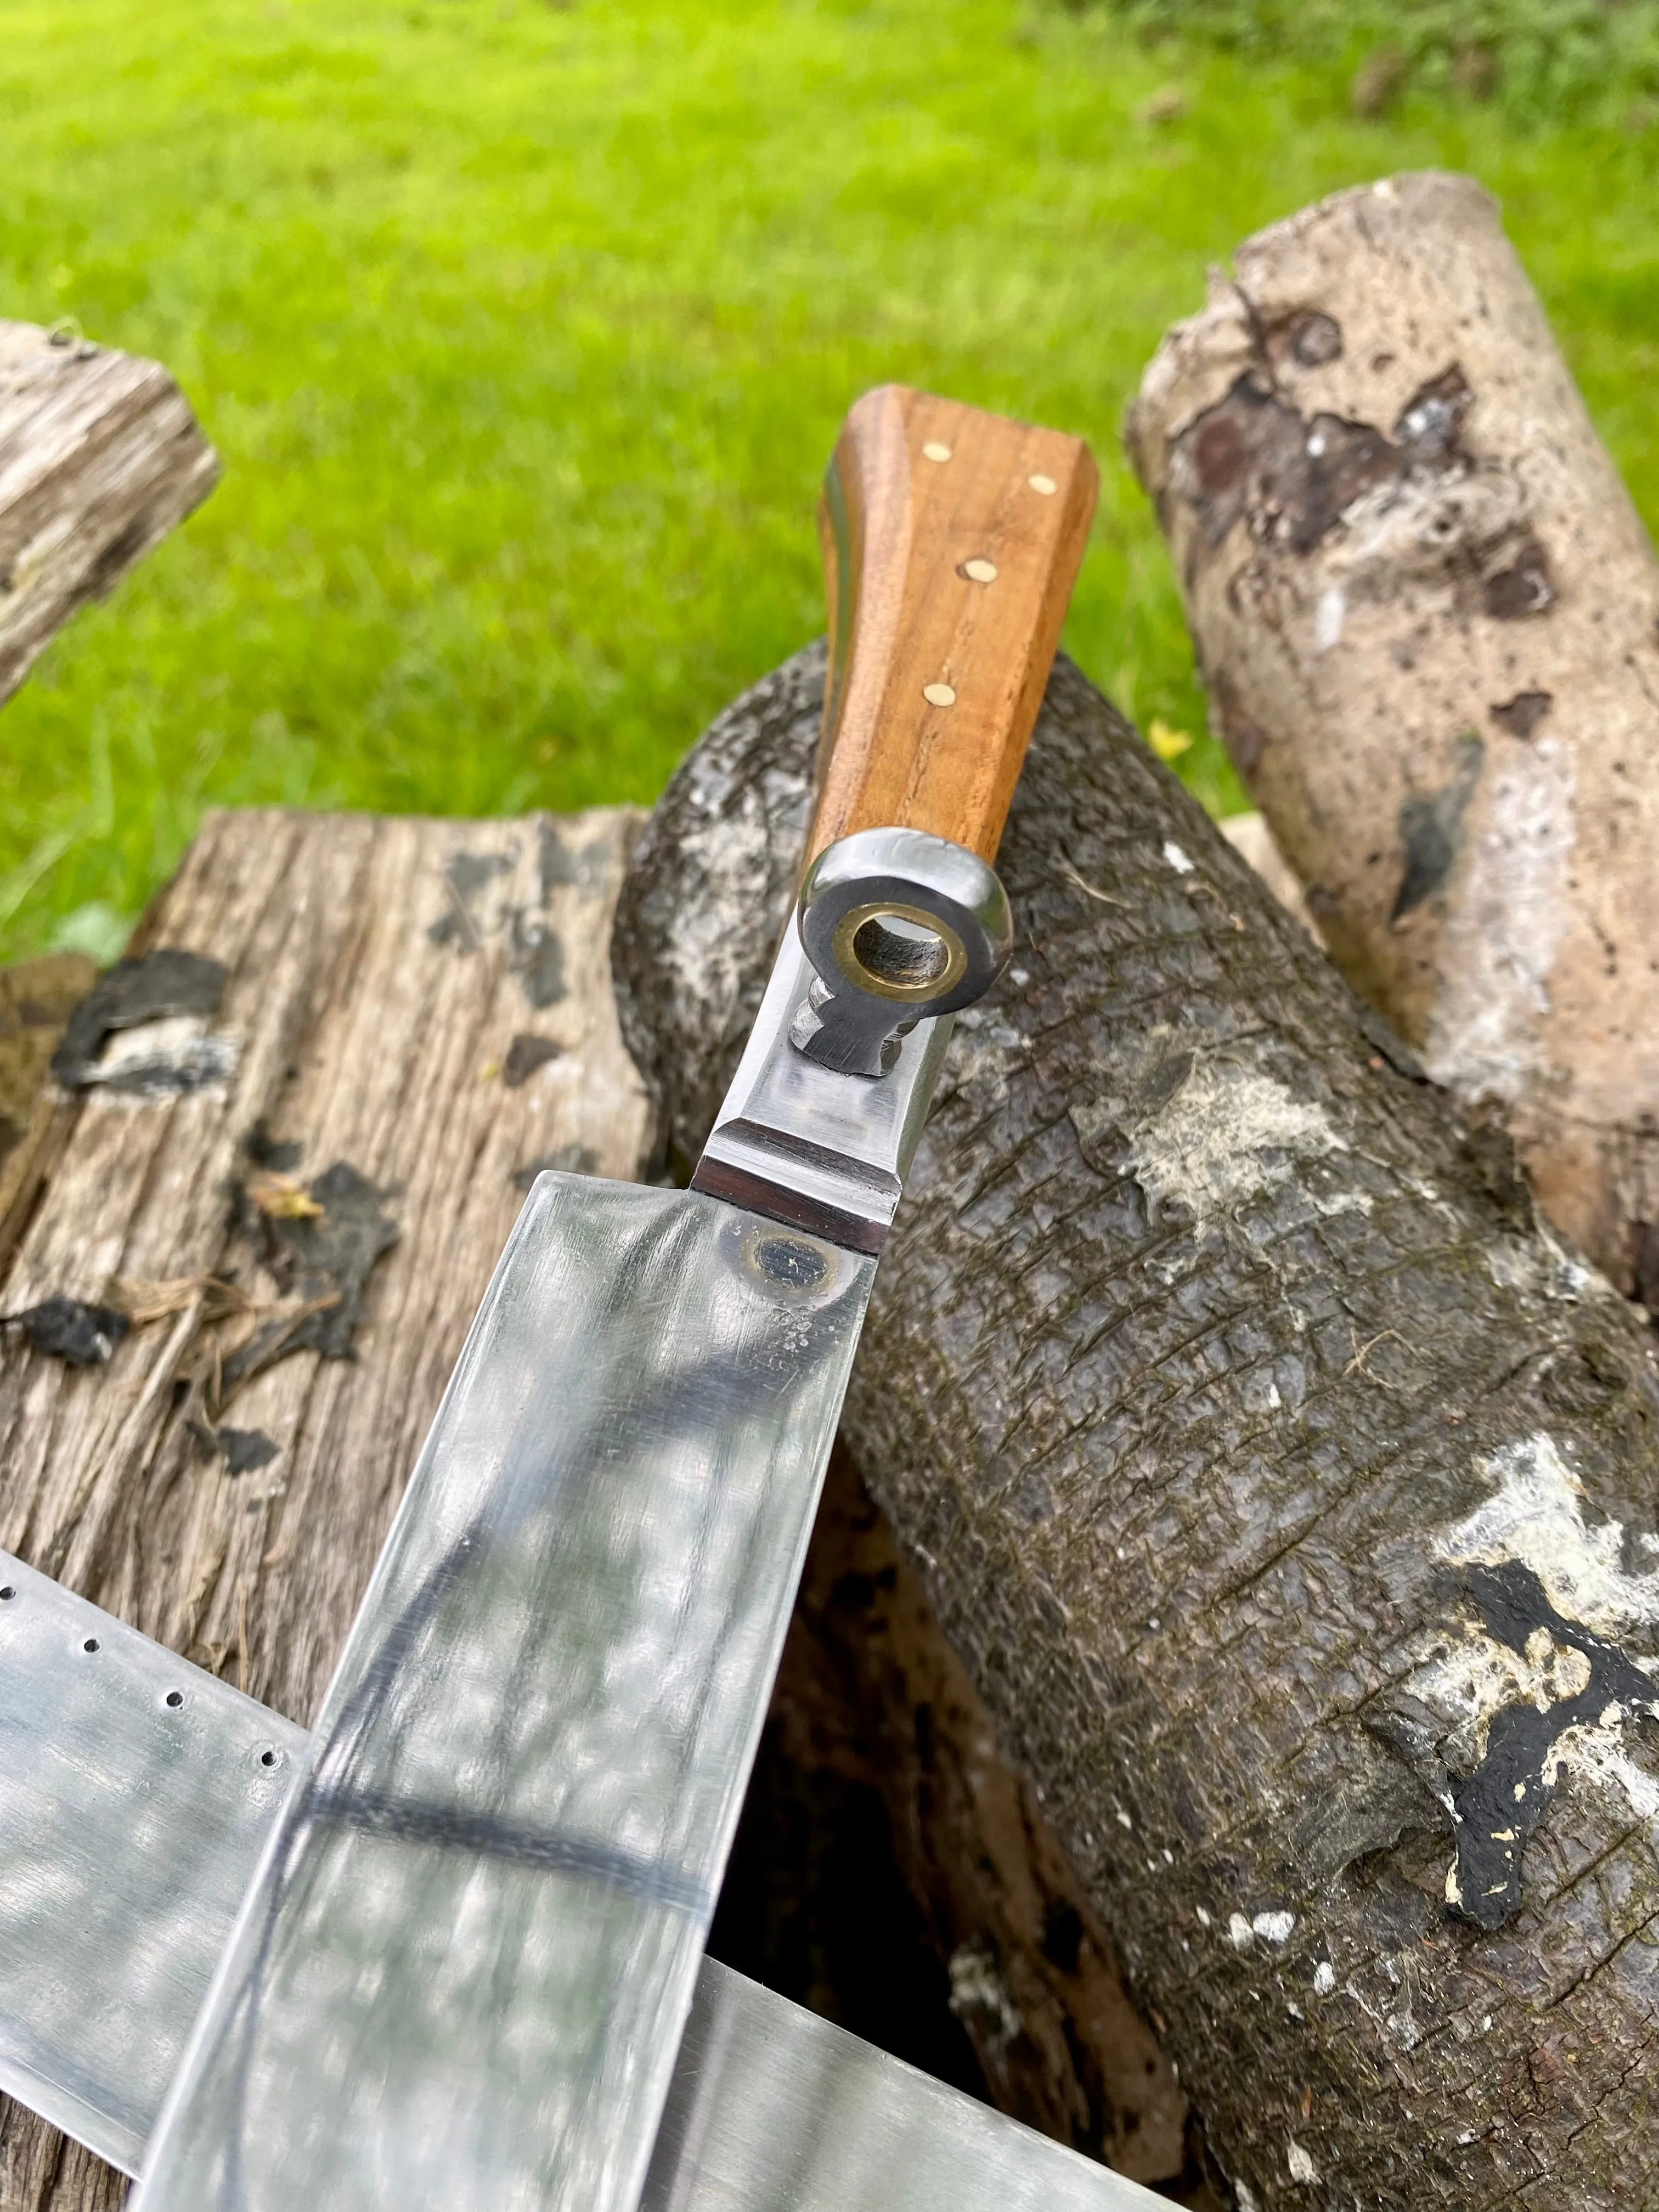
{"x":100,"y":456}
{"x":1292,"y":1496}
{"x":379,"y":976}
{"x":1428,"y":616}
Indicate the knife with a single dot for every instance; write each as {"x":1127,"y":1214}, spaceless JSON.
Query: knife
{"x":138,"y":1792}
{"x":464,"y":1959}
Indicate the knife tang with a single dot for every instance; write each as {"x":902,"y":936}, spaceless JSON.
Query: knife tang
{"x":951,"y":540}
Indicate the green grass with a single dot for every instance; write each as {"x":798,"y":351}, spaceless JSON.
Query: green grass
{"x":524,"y":334}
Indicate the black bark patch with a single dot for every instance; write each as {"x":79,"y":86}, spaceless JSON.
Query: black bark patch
{"x":1521,"y":716}
{"x":244,"y":1451}
{"x":465,"y":875}
{"x":1296,"y":477}
{"x":135,"y":991}
{"x":524,"y":1055}
{"x":569,"y":1159}
{"x":118,"y":556}
{"x":1062,"y":1934}
{"x":1523,"y":587}
{"x":264,"y":1151}
{"x":582,"y":868}
{"x":71,"y":1330}
{"x":538,"y":960}
{"x":1310,"y":338}
{"x":1429,"y":430}
{"x":327,"y":1260}
{"x":1429,"y":825}
{"x":1499,"y":1805}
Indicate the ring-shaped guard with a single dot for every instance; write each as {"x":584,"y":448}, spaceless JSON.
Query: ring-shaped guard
{"x":856,"y":1013}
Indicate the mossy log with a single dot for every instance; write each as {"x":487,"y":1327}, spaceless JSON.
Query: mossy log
{"x":1291,"y":1493}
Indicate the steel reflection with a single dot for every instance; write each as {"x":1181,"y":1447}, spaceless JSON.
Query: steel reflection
{"x":461,"y":1971}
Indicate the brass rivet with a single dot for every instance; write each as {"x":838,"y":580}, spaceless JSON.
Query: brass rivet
{"x":980,"y":572}
{"x":1046,"y":485}
{"x":932,"y":451}
{"x":939,"y":694}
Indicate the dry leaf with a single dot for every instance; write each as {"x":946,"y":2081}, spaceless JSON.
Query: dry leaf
{"x":280,"y":1198}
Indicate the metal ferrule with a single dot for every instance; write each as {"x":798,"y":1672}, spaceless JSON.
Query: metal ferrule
{"x":893,"y":932}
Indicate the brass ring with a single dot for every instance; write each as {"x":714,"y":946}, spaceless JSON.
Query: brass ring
{"x":925,"y":987}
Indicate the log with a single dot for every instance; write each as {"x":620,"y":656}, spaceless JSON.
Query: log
{"x":1427,"y":615}
{"x":298,"y":1124}
{"x":1288,"y":1491}
{"x":100,"y":456}
{"x":872,"y":1705}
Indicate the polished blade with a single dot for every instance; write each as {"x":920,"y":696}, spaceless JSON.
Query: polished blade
{"x":135,"y":1793}
{"x":138,"y":1792}
{"x":462,"y":1968}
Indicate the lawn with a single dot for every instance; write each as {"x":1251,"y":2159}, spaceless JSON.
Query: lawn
{"x":524,"y":331}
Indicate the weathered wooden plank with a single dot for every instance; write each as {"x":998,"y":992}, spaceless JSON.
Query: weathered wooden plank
{"x":427,"y":1003}
{"x":100,"y":456}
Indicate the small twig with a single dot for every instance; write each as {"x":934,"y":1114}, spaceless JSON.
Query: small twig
{"x":1089,"y":890}
{"x":241,"y":1636}
{"x":142,"y":1302}
{"x":1361,"y":1350}
{"x":1211,"y":891}
{"x":271,"y":1350}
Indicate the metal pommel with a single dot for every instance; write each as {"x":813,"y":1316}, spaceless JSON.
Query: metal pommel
{"x":899,"y":925}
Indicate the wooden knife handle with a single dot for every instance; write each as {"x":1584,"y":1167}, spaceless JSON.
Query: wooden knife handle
{"x":951,"y":541}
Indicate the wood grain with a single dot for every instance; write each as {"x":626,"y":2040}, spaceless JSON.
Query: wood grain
{"x":951,"y":541}
{"x":100,"y":456}
{"x":430,"y":1003}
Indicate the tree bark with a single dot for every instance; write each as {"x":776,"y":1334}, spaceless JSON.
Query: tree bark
{"x":871,"y":1695}
{"x":1290,"y":1494}
{"x":1428,"y":616}
{"x":100,"y":456}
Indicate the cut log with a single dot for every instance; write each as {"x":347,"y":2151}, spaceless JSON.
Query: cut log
{"x":100,"y":456}
{"x":302,"y":1118}
{"x":1427,"y":615}
{"x":1290,"y":1494}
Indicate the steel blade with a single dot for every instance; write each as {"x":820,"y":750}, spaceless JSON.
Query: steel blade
{"x":135,"y":1793}
{"x":464,"y":1963}
{"x":138,"y":1792}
